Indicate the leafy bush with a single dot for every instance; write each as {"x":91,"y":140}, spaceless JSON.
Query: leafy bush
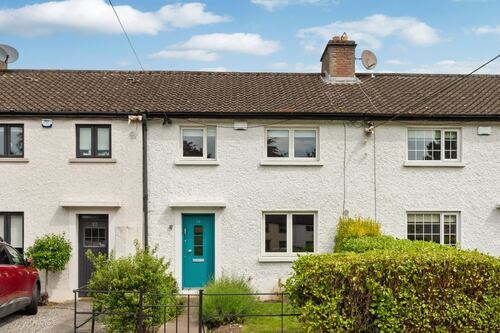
{"x":142,"y":271}
{"x":51,"y":253}
{"x":352,"y":227}
{"x":227,"y":308}
{"x":368,"y":243}
{"x":420,"y":290}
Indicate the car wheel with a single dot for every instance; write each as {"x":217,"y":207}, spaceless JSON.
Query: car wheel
{"x":32,"y":309}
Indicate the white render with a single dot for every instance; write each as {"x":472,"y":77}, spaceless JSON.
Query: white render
{"x":242,"y":184}
{"x":51,"y":187}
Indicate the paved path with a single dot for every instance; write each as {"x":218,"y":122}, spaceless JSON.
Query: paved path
{"x":56,"y":318}
{"x":59,"y":319}
{"x":185,"y":323}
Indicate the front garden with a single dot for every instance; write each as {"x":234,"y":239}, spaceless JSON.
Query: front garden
{"x":369,"y":283}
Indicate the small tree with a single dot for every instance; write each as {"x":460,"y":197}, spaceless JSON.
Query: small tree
{"x":50,"y":253}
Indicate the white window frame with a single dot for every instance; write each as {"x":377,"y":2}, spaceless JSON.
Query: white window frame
{"x":289,"y":233}
{"x":443,"y":129}
{"x":291,"y":144}
{"x":205,"y":145}
{"x":441,"y":223}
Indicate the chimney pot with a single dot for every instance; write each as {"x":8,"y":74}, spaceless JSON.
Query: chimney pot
{"x":338,"y":60}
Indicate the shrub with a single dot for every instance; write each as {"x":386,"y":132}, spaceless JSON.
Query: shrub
{"x":50,"y":253}
{"x":227,"y":308}
{"x":351,"y":227}
{"x":368,"y":243}
{"x":142,"y":271}
{"x":421,"y":290}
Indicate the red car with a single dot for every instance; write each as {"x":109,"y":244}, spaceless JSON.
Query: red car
{"x":19,"y":282}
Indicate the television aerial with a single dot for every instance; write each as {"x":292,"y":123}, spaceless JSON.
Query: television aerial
{"x":368,"y":59}
{"x":8,"y":54}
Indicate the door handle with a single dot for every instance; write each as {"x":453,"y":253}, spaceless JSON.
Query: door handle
{"x":189,"y":250}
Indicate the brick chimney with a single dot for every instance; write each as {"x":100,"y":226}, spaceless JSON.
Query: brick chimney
{"x":338,"y":60}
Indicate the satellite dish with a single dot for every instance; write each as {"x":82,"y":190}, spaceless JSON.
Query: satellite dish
{"x":8,"y":54}
{"x":368,"y":59}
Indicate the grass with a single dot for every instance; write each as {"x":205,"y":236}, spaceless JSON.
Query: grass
{"x":271,"y":324}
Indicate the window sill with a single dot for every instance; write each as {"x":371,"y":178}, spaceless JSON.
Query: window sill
{"x":195,"y":162}
{"x":92,"y":160}
{"x":14,"y":160}
{"x":434,"y":164}
{"x":291,"y":163}
{"x":280,"y":259}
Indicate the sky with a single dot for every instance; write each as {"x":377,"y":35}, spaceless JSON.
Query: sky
{"x":425,"y":36}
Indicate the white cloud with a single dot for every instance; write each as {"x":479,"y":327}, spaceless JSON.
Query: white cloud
{"x":456,"y":67}
{"x":296,"y":67}
{"x":371,"y":30}
{"x":273,"y":4}
{"x":279,"y":65}
{"x":235,"y":42}
{"x":486,"y":29}
{"x":197,"y":55}
{"x":207,"y":47}
{"x":189,"y":14}
{"x":395,"y":62}
{"x":96,"y":16}
{"x":214,"y":69}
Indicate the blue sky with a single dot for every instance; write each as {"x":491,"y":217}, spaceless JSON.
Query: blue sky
{"x":435,"y":36}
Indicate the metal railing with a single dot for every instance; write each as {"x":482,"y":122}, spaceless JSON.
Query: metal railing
{"x":182,"y":306}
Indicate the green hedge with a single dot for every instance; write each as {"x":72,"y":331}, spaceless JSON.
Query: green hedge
{"x":421,"y":290}
{"x":354,"y":227}
{"x":368,"y":243}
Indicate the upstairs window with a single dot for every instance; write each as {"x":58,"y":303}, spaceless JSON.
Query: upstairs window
{"x":441,"y":228}
{"x":433,"y":145}
{"x":93,"y":141}
{"x":11,"y":140}
{"x":199,"y":143}
{"x":291,"y":143}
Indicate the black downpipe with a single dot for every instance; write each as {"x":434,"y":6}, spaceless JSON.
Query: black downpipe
{"x":145,"y":176}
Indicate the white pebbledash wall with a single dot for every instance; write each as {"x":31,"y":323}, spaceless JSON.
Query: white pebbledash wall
{"x":248,"y":189}
{"x":49,"y":175}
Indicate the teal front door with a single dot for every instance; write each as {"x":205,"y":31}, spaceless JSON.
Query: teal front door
{"x":198,"y":250}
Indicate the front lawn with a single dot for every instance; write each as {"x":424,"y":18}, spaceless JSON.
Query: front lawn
{"x":271,"y":324}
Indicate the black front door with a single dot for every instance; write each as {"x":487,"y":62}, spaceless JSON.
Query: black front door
{"x":93,"y":236}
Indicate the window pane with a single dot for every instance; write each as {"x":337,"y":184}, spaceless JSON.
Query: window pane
{"x":4,"y":258}
{"x":16,"y":258}
{"x":275,"y":240}
{"x":103,"y":142}
{"x":424,"y":144}
{"x":16,"y":141}
{"x":16,"y":231}
{"x":303,"y":233}
{"x":305,"y":144}
{"x":424,"y":227}
{"x":277,"y":143}
{"x":85,"y":141}
{"x":450,"y":145}
{"x":192,"y":142}
{"x":450,"y":229}
{"x":211,"y":135}
{"x":2,"y":140}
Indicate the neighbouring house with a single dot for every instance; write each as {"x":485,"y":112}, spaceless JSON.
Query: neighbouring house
{"x":239,"y":173}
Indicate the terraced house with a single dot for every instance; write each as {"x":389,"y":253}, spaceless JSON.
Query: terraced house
{"x":239,"y":173}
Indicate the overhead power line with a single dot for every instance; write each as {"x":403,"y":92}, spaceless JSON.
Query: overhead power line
{"x":126,"y":36}
{"x":424,"y":100}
